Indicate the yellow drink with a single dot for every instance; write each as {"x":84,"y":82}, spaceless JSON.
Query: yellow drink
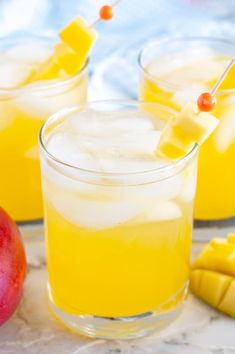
{"x":118,"y":240}
{"x":24,"y":108}
{"x":131,"y":269}
{"x":191,"y":67}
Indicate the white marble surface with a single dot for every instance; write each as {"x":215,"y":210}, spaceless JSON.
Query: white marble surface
{"x":33,"y":329}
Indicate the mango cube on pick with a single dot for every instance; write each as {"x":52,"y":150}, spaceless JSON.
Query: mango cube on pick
{"x":46,"y":71}
{"x":188,"y":127}
{"x":213,"y":275}
{"x":79,"y":37}
{"x":172,"y":145}
{"x":71,"y":54}
{"x":67,"y":59}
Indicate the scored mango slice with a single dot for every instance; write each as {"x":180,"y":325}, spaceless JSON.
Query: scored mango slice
{"x":213,"y":274}
{"x":210,"y":286}
{"x":218,"y":256}
{"x":187,"y":128}
{"x":227,"y":304}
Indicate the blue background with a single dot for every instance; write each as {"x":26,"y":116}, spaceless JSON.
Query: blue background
{"x":114,"y":72}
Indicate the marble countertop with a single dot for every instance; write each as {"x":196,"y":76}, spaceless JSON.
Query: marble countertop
{"x":33,"y":328}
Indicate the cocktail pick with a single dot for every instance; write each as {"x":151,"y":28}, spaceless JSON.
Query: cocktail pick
{"x":106,"y":13}
{"x":206,"y":101}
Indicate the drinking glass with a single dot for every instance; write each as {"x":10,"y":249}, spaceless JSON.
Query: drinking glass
{"x":24,"y":108}
{"x":184,"y":68}
{"x":118,"y":221}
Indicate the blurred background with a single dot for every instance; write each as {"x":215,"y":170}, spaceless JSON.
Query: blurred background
{"x":114,"y":71}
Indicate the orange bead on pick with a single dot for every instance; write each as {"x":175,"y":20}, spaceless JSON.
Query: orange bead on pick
{"x":106,"y":12}
{"x":206,"y":102}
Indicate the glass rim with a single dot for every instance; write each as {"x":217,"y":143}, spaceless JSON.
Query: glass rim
{"x":42,"y":87}
{"x":67,"y":111}
{"x":171,"y":38}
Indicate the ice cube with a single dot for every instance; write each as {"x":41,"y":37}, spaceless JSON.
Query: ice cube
{"x":159,"y":212}
{"x":13,"y":74}
{"x":121,"y":155}
{"x":224,"y":136}
{"x":194,"y":65}
{"x":162,"y":190}
{"x":107,"y":144}
{"x":94,"y":214}
{"x":28,"y":52}
{"x":168,"y":63}
{"x":189,"y":176}
{"x":68,"y":148}
{"x":41,"y":103}
{"x":93,"y":123}
{"x":182,"y":96}
{"x":125,"y":149}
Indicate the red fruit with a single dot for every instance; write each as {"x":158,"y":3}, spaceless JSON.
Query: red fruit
{"x":12,"y":266}
{"x":106,"y":12}
{"x":206,"y":102}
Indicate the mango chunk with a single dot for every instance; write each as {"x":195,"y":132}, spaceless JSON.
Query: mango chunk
{"x":227,"y":304}
{"x":196,"y":125}
{"x":67,"y":59}
{"x":172,"y":146}
{"x":212,"y":286}
{"x":189,"y":127}
{"x":70,"y":55}
{"x":79,"y":37}
{"x":46,"y":71}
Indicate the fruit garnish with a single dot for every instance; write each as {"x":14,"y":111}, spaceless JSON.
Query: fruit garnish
{"x":213,"y":274}
{"x":193,"y":125}
{"x":188,"y":127}
{"x":71,"y":53}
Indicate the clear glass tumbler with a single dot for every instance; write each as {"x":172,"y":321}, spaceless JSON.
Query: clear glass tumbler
{"x":118,"y":220}
{"x":176,"y":70}
{"x":24,"y":108}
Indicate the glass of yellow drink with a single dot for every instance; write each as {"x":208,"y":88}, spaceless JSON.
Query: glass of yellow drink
{"x":118,"y":219}
{"x":24,"y":107}
{"x":174,"y":71}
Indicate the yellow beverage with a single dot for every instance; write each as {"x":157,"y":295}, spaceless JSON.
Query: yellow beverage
{"x":118,"y":240}
{"x":24,"y":108}
{"x":128,"y":274}
{"x":175,"y":72}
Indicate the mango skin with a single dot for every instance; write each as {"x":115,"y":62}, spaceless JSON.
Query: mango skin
{"x":212,"y":277}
